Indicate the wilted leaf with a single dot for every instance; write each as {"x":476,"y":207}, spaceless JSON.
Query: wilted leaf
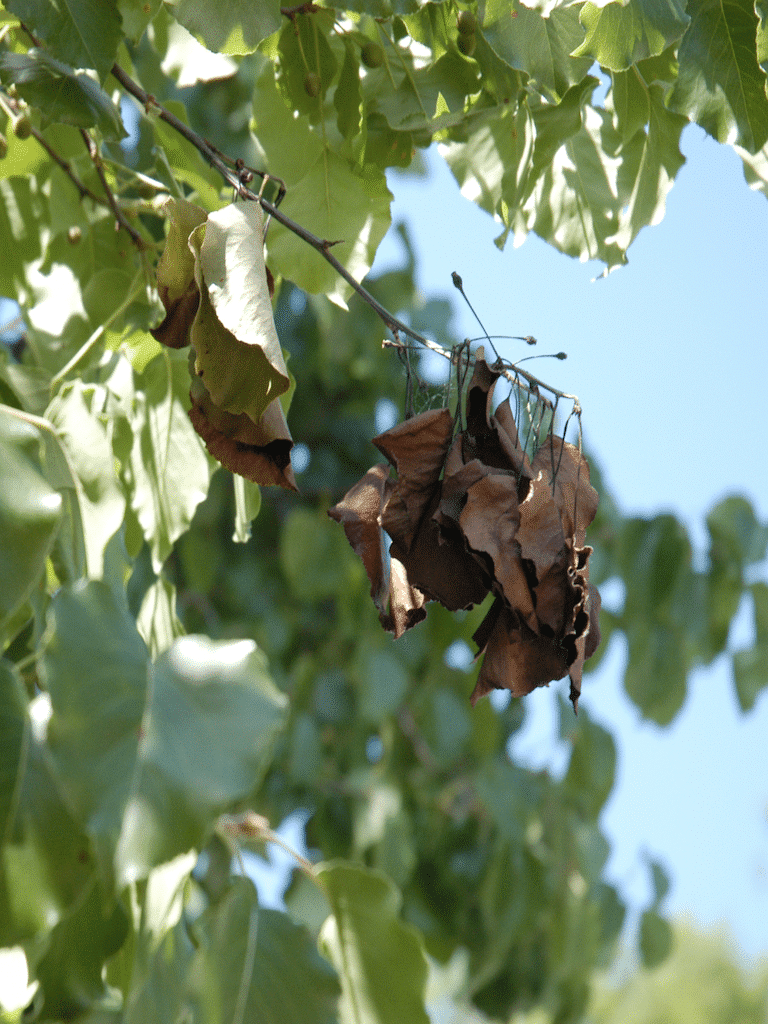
{"x":237,"y":351}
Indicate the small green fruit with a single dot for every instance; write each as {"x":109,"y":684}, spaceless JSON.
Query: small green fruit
{"x":312,"y":84}
{"x":466,"y":23}
{"x":466,"y":44}
{"x":372,"y":55}
{"x":22,"y":127}
{"x":74,"y":234}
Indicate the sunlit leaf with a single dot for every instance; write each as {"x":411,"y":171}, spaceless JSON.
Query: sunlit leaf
{"x":236,"y":28}
{"x":620,"y":35}
{"x":720,"y":84}
{"x":82,"y":33}
{"x":380,"y":961}
{"x":169,"y":471}
{"x":100,"y":499}
{"x":30,"y":512}
{"x":340,"y":207}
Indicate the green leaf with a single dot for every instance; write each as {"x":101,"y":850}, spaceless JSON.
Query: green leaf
{"x":62,"y":94}
{"x":380,"y":961}
{"x":492,"y":163}
{"x":750,"y":666}
{"x":655,"y":939}
{"x":71,"y":971}
{"x":650,"y":163}
{"x":88,"y":447}
{"x":347,"y":97}
{"x":160,"y":995}
{"x":383,"y":683}
{"x":234,"y":28}
{"x":660,"y":880}
{"x":138,"y":747}
{"x":257,"y":965}
{"x":720,"y":84}
{"x":336,"y":205}
{"x":21,"y":219}
{"x":168,"y":467}
{"x":237,"y":351}
{"x":736,"y":535}
{"x":157,"y":621}
{"x":657,"y":670}
{"x":247,"y":507}
{"x":541,"y":47}
{"x":81,"y":33}
{"x":619,"y":35}
{"x":574,"y":204}
{"x":30,"y":513}
{"x":45,"y":859}
{"x":592,"y":767}
{"x":314,"y":555}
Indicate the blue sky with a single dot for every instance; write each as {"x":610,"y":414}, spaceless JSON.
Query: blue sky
{"x":669,"y":357}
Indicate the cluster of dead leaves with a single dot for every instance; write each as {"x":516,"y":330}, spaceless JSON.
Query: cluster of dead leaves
{"x":469,"y":515}
{"x":216,"y":291}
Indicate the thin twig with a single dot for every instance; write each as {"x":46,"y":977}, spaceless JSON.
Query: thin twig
{"x":93,"y":152}
{"x":81,"y":187}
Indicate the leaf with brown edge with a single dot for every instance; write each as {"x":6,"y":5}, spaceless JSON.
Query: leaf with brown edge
{"x":417,"y":449}
{"x":238,"y":353}
{"x":176,"y":284}
{"x":400,"y":604}
{"x":260,"y":452}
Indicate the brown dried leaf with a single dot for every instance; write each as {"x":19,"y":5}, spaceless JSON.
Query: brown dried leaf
{"x":540,"y":536}
{"x":574,"y":496}
{"x":400,"y":604}
{"x":515,"y":658}
{"x":489,"y":519}
{"x":359,"y":512}
{"x":480,"y":396}
{"x":439,"y":564}
{"x":417,"y":449}
{"x":586,"y":643}
{"x":503,"y":421}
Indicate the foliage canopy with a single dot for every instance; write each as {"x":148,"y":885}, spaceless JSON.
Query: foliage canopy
{"x":171,"y":685}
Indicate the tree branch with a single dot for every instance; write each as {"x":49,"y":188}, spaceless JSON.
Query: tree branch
{"x":211,"y":155}
{"x":114,"y":206}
